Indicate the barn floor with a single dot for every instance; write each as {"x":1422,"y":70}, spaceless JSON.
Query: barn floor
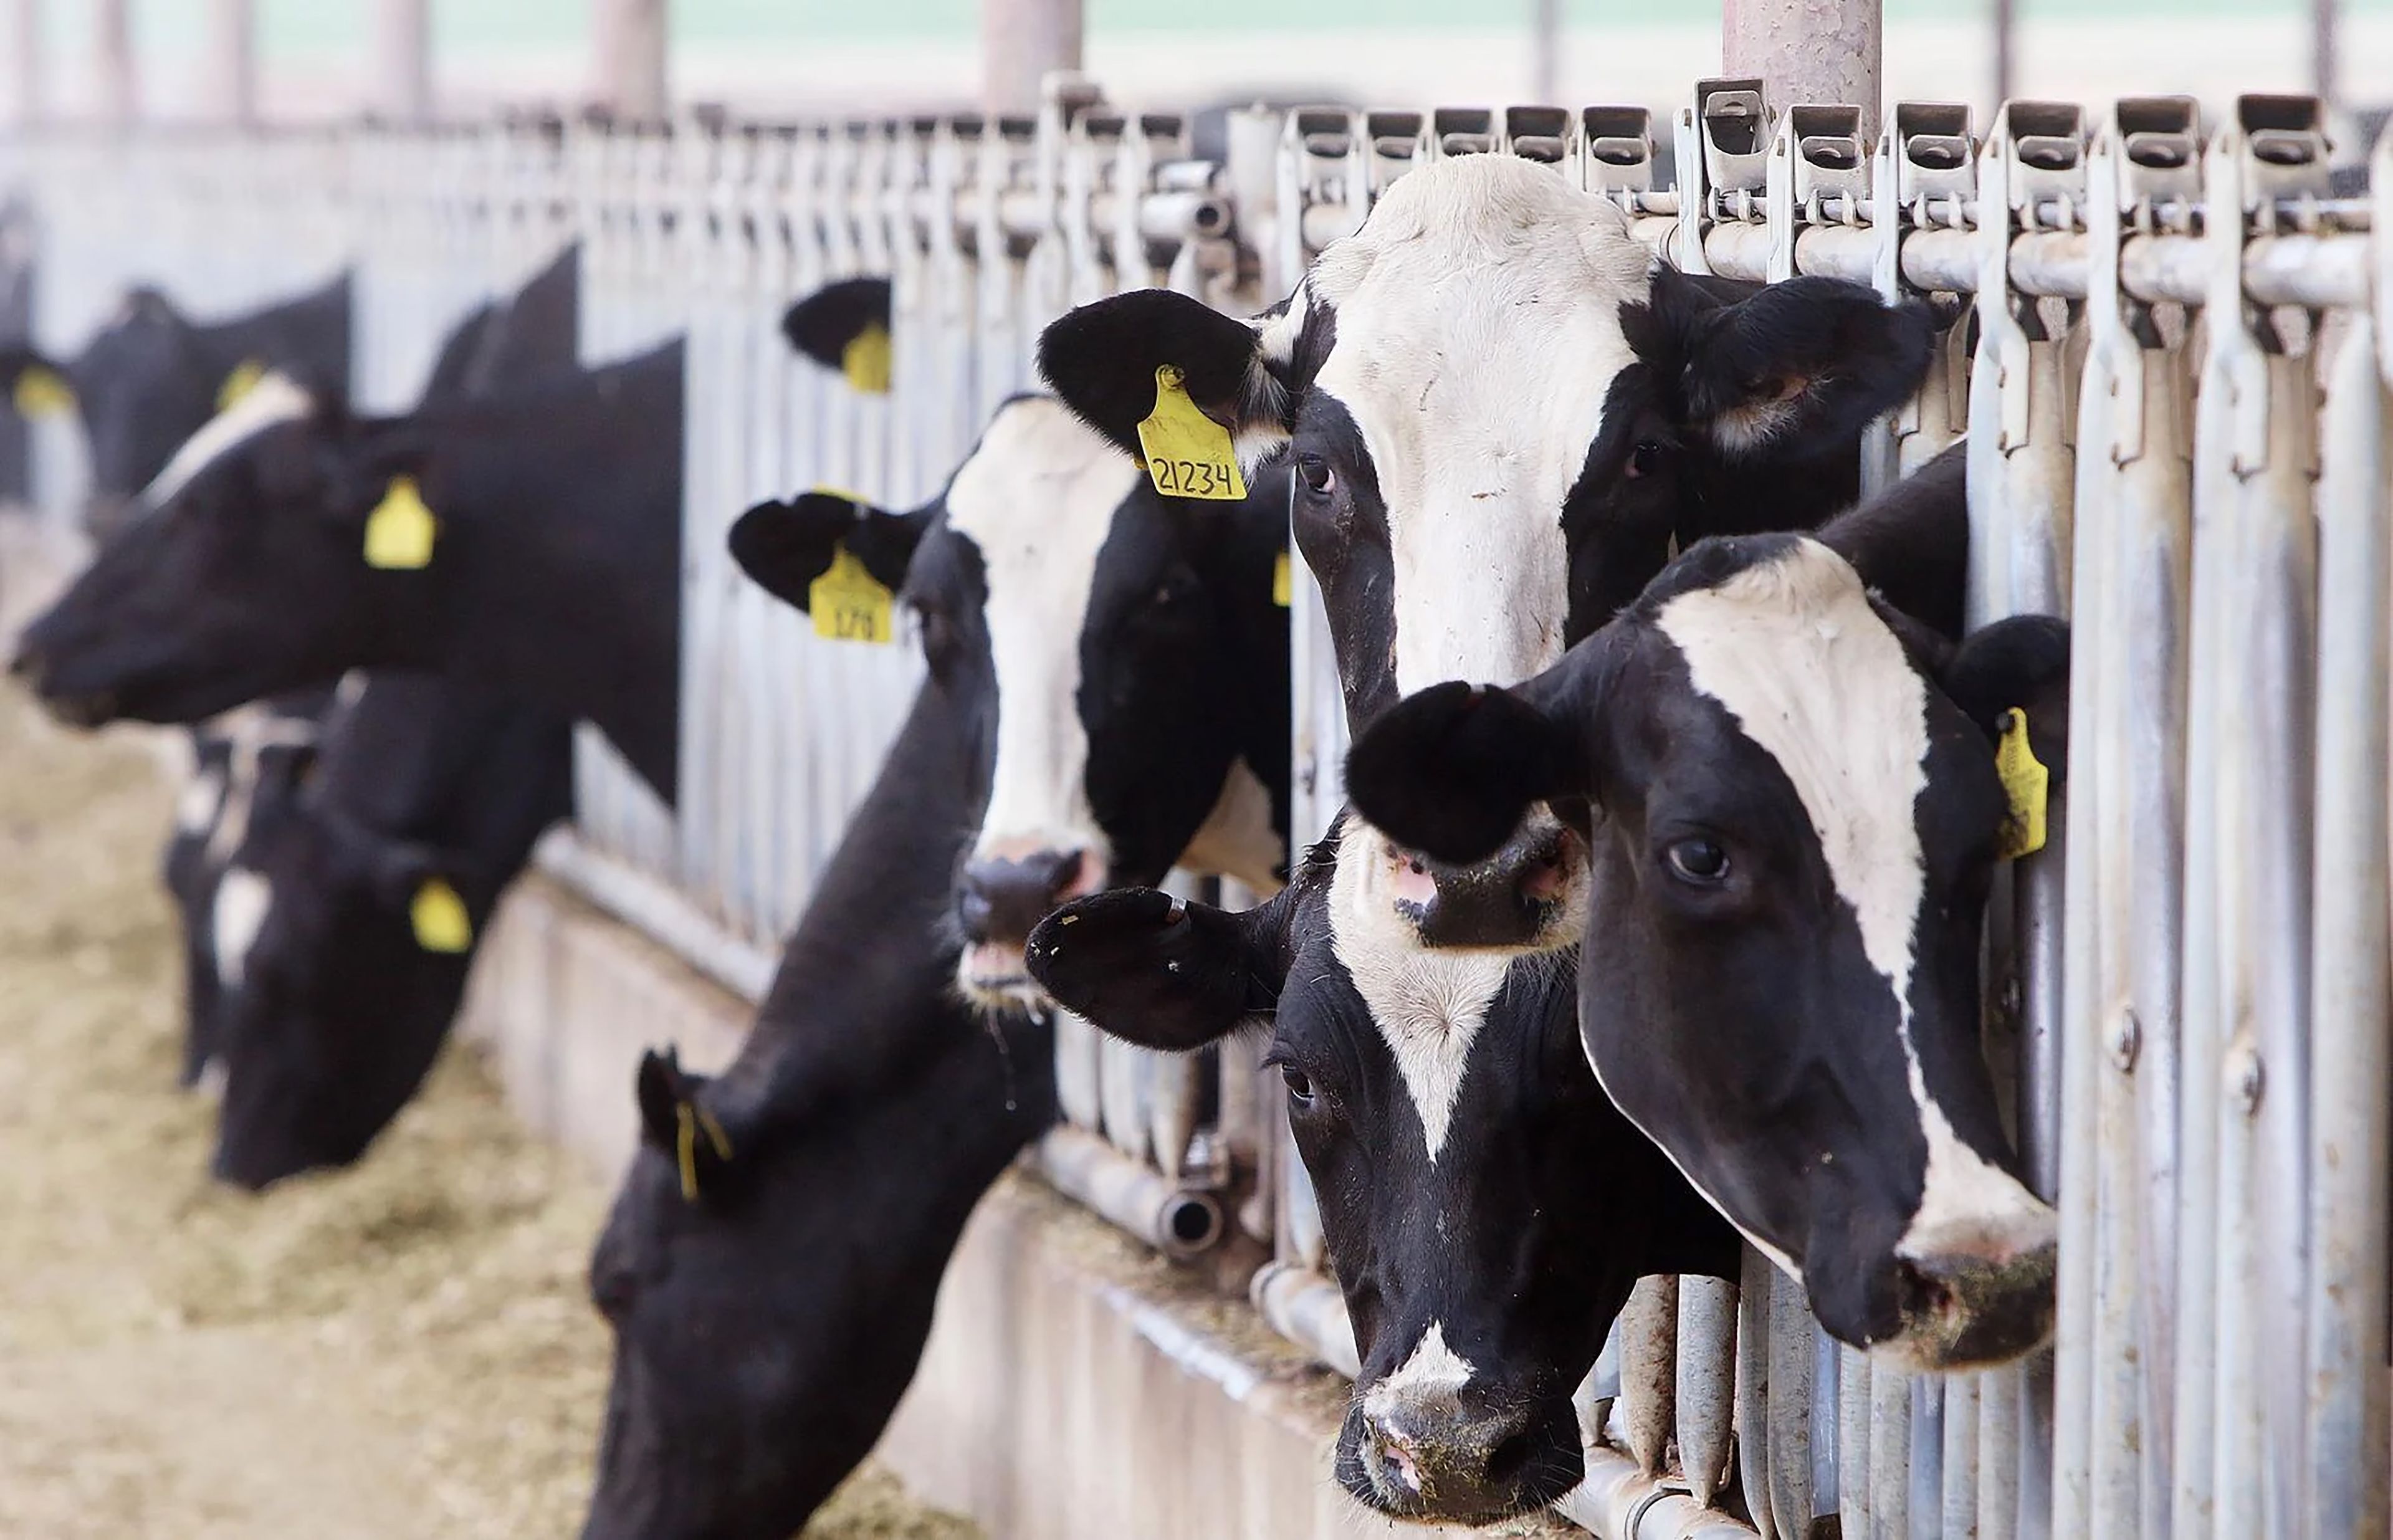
{"x":401,"y":1350}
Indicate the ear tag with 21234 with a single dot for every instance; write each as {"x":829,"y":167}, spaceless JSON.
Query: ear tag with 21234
{"x":2027,"y":788}
{"x":1188,"y":454}
{"x":401,"y":531}
{"x":848,"y":603}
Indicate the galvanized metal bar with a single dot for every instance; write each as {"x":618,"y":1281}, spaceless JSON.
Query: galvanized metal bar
{"x":1705,"y":1382}
{"x":1856,"y":1500}
{"x":2351,"y":1069}
{"x":1648,"y":1368}
{"x":1753,"y":1361}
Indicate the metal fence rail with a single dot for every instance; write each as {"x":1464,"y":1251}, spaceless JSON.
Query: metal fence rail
{"x":2174,"y":387}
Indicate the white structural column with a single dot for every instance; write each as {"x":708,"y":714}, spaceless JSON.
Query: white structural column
{"x":116,"y":96}
{"x":20,"y":62}
{"x":1020,"y":42}
{"x":1808,"y":51}
{"x":400,"y":84}
{"x":629,"y":37}
{"x":228,"y":62}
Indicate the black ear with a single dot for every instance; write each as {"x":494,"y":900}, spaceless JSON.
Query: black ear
{"x":1798,"y":370}
{"x":1450,"y":771}
{"x":2021,"y":662}
{"x":1101,"y":358}
{"x":674,"y":1122}
{"x":783,"y":547}
{"x":1911,"y":542}
{"x":822,"y":325}
{"x":1160,"y":972}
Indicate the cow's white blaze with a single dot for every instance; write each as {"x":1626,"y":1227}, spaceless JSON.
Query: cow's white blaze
{"x":275,"y":399}
{"x":243,"y":899}
{"x":1792,"y":649}
{"x":1431,"y":1372}
{"x":1427,"y":1004}
{"x":1478,"y":315}
{"x":1037,"y":498}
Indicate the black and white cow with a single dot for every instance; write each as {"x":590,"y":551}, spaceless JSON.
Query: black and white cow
{"x":1485,"y":1206}
{"x":771,"y":1264}
{"x":238,"y":760}
{"x":527,"y":335}
{"x":153,"y":377}
{"x":554,"y":512}
{"x":1502,"y":411}
{"x":1790,"y":795}
{"x":1122,"y":648}
{"x":336,"y":999}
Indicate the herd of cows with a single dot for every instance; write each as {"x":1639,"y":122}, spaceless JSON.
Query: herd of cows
{"x":1668,"y":945}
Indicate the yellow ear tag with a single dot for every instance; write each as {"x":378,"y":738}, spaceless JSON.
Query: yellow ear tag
{"x":848,"y":603}
{"x":240,"y":383}
{"x":401,"y":531}
{"x":689,"y":1120}
{"x":2028,"y":787}
{"x":1281,"y":592}
{"x":1188,"y":454}
{"x":439,"y":918}
{"x":866,"y":361}
{"x":40,"y":392}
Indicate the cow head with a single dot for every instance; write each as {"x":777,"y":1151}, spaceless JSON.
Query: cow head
{"x":323,"y":924}
{"x":1501,"y":410}
{"x":1486,"y":1209}
{"x":1799,"y":813}
{"x":1119,"y":654}
{"x":245,"y":573}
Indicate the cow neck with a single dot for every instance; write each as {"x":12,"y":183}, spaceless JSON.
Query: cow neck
{"x":558,"y":567}
{"x":866,"y":989}
{"x":1262,"y":635}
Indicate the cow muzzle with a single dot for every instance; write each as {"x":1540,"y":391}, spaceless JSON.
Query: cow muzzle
{"x":1525,"y":897}
{"x":1004,"y":895}
{"x":1460,"y":1456}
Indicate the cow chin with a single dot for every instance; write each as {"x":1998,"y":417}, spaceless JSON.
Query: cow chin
{"x":994,"y":976}
{"x":1530,"y":1460}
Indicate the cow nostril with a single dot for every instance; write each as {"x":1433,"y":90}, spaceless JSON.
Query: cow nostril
{"x":1509,"y":1459}
{"x":1923,"y":1292}
{"x":27,"y":666}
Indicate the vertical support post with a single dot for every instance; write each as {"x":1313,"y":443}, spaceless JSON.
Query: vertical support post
{"x":628,"y":44}
{"x":21,"y":47}
{"x":1546,"y":50}
{"x":2006,"y":21}
{"x":228,"y":59}
{"x":1021,"y":41}
{"x":403,"y":41}
{"x":2323,"y":44}
{"x":116,"y":89}
{"x":1808,"y":51}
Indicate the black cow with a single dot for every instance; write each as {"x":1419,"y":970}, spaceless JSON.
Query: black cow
{"x":1502,"y":411}
{"x":363,"y":899}
{"x":296,"y":542}
{"x":349,"y":984}
{"x":774,"y":1254}
{"x":1800,"y":813}
{"x":151,"y":378}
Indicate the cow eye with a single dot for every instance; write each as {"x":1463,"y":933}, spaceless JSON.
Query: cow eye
{"x":1644,"y":459}
{"x":1300,"y":1085}
{"x":1698,"y":861}
{"x":1318,"y":477}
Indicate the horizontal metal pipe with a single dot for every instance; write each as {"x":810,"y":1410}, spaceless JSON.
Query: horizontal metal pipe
{"x":1308,"y":1310}
{"x":1177,"y":1220}
{"x":1619,"y":1502}
{"x":650,"y":905}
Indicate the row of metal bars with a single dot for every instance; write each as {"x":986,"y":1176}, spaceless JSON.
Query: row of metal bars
{"x":2198,"y":1060}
